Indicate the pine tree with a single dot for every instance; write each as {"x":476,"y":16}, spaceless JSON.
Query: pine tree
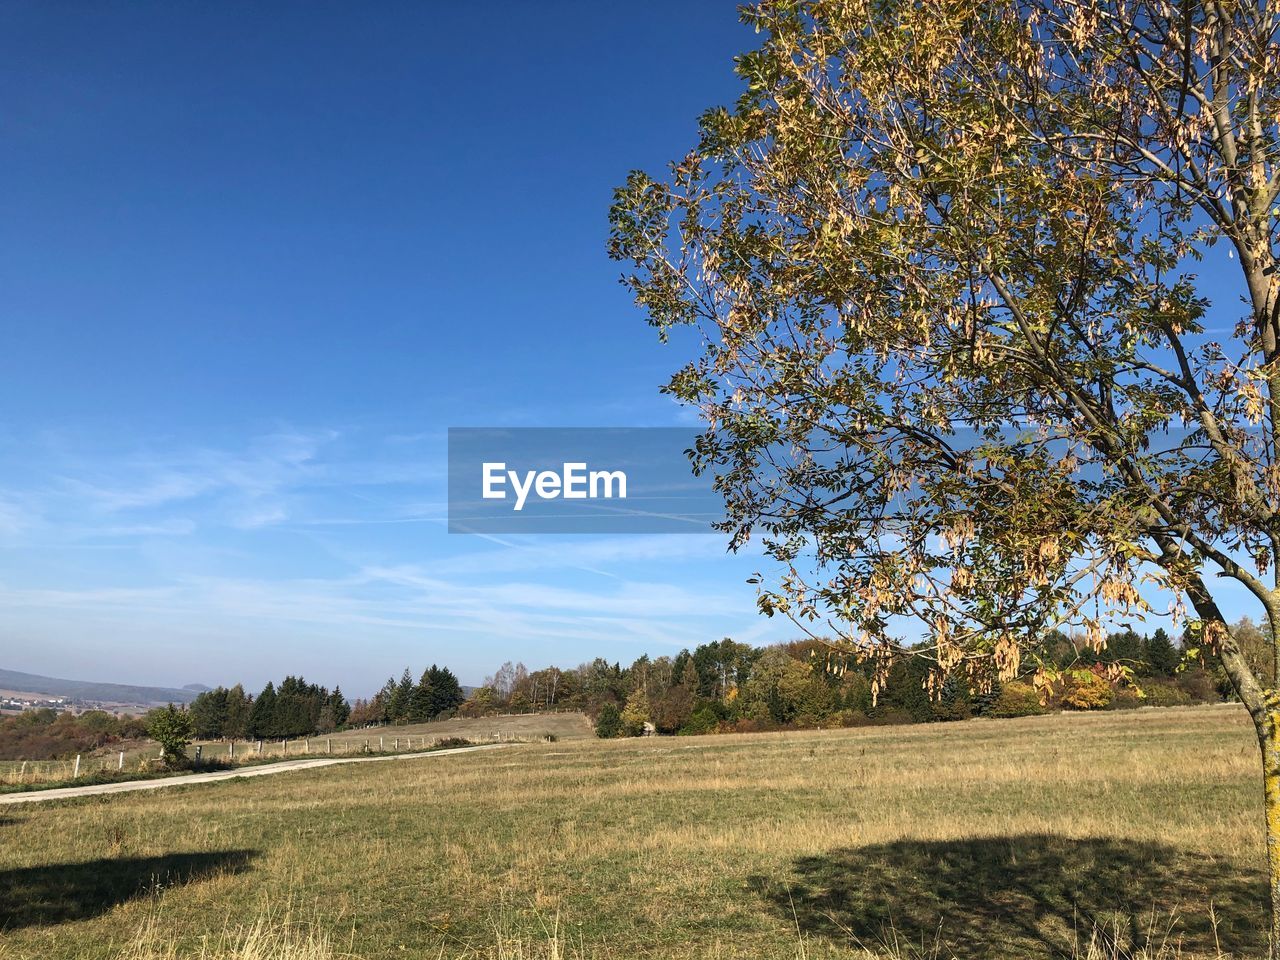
{"x":1161,"y":655}
{"x":340,"y":708}
{"x":262,"y":716}
{"x":609,"y":723}
{"x":422,"y":700}
{"x":239,"y":705}
{"x":447,"y":695}
{"x":398,"y":707}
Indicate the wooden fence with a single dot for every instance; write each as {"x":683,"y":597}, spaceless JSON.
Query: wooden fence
{"x":227,"y":752}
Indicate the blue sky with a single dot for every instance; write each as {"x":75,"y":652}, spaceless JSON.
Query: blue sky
{"x":256,"y":261}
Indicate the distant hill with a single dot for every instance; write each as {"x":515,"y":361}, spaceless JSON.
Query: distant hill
{"x":89,"y":690}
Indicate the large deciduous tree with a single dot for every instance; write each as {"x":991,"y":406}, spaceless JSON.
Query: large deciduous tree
{"x":955,"y":360}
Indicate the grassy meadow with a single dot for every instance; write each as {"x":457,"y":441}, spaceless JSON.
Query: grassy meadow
{"x":142,"y":755}
{"x":1043,"y":837}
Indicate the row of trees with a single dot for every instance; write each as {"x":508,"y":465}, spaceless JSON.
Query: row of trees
{"x":436,"y":693}
{"x":294,"y":709}
{"x":729,"y":686}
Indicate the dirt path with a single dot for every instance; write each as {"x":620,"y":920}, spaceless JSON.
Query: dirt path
{"x":284,"y":766}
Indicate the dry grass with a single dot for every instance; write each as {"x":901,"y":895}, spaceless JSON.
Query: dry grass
{"x":1057,"y":836}
{"x":526,"y":726}
{"x":270,"y":937}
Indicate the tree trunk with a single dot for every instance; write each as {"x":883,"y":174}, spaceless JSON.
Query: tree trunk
{"x":1268,"y":727}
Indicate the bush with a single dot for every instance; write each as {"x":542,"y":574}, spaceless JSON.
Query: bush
{"x":1197,"y":683}
{"x":1126,"y":698}
{"x":1085,"y":690}
{"x":1016,"y":699}
{"x":45,"y":734}
{"x":846,"y":718}
{"x":1162,"y":694}
{"x":454,"y":742}
{"x":172,"y":729}
{"x":705,"y":719}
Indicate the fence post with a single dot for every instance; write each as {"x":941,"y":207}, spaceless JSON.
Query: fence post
{"x":366,"y":746}
{"x":306,"y":745}
{"x":76,"y":772}
{"x":382,"y":746}
{"x":120,"y":764}
{"x":231,"y":750}
{"x":259,"y":748}
{"x":328,"y":746}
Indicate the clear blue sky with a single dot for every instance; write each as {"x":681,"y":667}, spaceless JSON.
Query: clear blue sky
{"x":256,"y":259}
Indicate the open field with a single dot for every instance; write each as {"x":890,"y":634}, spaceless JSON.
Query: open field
{"x":520,"y":726}
{"x":1005,"y":839}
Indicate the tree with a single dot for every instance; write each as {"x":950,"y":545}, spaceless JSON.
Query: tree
{"x":609,"y":722}
{"x":673,"y":708}
{"x":422,"y":700}
{"x":401,"y":696}
{"x":262,"y":715}
{"x":635,"y":714}
{"x":1161,"y":655}
{"x":172,"y":729}
{"x":239,"y":705}
{"x":447,"y":695}
{"x":209,"y":713}
{"x":339,"y":708}
{"x":954,"y":358}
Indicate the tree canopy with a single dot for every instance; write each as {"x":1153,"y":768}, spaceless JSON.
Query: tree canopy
{"x":954,"y":357}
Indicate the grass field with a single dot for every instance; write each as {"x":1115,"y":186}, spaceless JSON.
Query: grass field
{"x":142,"y":755}
{"x":1016,"y":838}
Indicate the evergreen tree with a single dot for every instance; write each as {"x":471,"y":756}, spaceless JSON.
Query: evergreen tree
{"x":1161,"y":655}
{"x":209,"y":714}
{"x":340,"y":708}
{"x":239,"y":705}
{"x":401,"y":695}
{"x":262,"y":716}
{"x":422,"y":700}
{"x":609,"y":723}
{"x":447,"y":695}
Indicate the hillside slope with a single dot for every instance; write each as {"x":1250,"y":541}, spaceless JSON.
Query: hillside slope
{"x":21,"y":682}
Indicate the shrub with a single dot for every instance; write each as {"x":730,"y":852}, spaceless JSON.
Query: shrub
{"x":1126,"y":698}
{"x":846,"y":718}
{"x":172,"y":729}
{"x":1085,"y":690}
{"x":1016,"y":699}
{"x":1198,"y":684}
{"x":1162,"y":694}
{"x":705,"y":719}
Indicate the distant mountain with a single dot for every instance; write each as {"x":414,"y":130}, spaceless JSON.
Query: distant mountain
{"x":89,"y":690}
{"x":196,"y":687}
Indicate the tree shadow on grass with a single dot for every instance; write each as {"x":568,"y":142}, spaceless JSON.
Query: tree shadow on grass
{"x":56,"y":893}
{"x":1026,"y":896}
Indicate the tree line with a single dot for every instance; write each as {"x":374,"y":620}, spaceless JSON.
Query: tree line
{"x":437,"y":693}
{"x":727,"y":686}
{"x":295,"y":708}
